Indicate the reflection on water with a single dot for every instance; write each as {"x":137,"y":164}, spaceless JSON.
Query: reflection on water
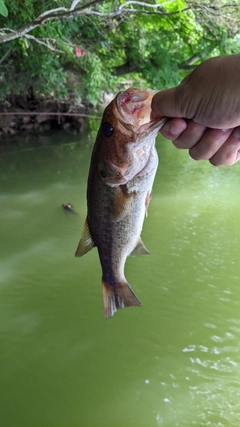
{"x":175,"y":361}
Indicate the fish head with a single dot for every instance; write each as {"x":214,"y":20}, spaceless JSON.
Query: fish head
{"x":126,"y":136}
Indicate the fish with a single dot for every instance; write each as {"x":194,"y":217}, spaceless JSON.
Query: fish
{"x":123,"y":165}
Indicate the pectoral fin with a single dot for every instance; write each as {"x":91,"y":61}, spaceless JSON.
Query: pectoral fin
{"x":86,"y":242}
{"x":121,"y":204}
{"x":139,"y":249}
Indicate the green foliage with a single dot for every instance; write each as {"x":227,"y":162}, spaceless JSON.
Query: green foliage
{"x":94,"y":78}
{"x":3,"y":9}
{"x":78,"y":58}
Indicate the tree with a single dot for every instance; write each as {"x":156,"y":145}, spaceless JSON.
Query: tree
{"x":76,"y":49}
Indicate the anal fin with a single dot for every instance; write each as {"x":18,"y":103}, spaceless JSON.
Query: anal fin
{"x":139,"y":249}
{"x":86,"y":242}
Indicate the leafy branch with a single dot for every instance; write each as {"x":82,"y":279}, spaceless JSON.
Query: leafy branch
{"x":88,"y":10}
{"x":78,"y":49}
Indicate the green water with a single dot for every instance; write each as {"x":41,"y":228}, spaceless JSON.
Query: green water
{"x":175,"y":361}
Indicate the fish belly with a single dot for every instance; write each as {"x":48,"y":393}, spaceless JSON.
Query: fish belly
{"x":115,"y":217}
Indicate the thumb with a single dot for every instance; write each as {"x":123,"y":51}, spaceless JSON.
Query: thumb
{"x":164,"y":104}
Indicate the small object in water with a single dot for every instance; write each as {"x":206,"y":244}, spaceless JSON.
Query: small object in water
{"x":123,"y":166}
{"x":68,"y":207}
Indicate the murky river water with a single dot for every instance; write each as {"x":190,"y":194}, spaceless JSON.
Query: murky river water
{"x":174,"y":362}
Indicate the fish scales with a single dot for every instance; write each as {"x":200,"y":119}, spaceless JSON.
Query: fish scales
{"x":122,"y":171}
{"x":118,"y":231}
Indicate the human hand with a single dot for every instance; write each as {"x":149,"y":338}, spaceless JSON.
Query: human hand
{"x":204,"y":111}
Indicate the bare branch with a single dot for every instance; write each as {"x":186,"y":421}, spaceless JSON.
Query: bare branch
{"x":52,"y":14}
{"x":6,"y":54}
{"x":45,"y":42}
{"x":74,"y":4}
{"x":38,"y":40}
{"x":84,"y":10}
{"x":131,"y":11}
{"x":53,"y":40}
{"x":119,"y":10}
{"x":140,"y":3}
{"x":6,"y":29}
{"x":42,"y":113}
{"x":48,"y":12}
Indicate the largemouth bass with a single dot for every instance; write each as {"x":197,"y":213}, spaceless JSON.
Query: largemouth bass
{"x":122,"y":170}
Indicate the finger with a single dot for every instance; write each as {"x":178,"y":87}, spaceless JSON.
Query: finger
{"x":190,"y":136}
{"x":229,"y":153}
{"x":173,"y":128}
{"x":210,"y":142}
{"x":164,"y":104}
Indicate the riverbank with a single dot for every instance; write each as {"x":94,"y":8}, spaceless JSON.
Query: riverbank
{"x":29,"y":114}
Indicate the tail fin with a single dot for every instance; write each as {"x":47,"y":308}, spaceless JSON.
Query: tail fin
{"x":118,"y":296}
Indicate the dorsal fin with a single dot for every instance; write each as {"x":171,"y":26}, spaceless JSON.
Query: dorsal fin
{"x":86,"y":242}
{"x":139,"y":249}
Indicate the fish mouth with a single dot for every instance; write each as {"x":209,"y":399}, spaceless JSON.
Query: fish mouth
{"x":134,"y":108}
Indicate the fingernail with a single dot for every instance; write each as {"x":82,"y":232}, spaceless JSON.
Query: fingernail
{"x":236,"y":132}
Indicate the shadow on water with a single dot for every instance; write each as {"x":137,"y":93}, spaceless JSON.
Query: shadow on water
{"x":173,"y":362}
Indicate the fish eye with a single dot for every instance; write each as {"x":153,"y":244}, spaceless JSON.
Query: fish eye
{"x":107,"y":129}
